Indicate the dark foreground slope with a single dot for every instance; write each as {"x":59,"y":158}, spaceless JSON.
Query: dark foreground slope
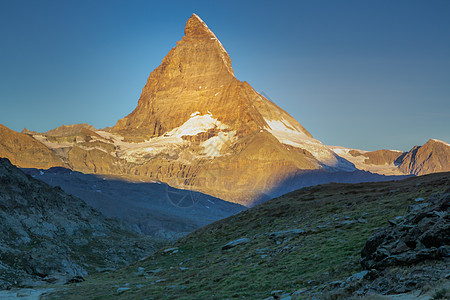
{"x":154,"y":209}
{"x":48,"y":236}
{"x":302,"y":244}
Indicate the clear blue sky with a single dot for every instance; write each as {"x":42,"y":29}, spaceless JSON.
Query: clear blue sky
{"x":361,"y":74}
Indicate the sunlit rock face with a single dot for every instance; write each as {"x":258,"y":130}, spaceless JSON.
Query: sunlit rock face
{"x":24,"y":151}
{"x":432,"y":157}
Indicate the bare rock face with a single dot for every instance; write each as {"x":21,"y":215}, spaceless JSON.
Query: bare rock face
{"x":24,"y":151}
{"x":432,"y":157}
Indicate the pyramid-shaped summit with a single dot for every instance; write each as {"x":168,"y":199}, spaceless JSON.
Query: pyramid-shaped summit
{"x":196,"y":76}
{"x":193,"y":96}
{"x":195,"y":27}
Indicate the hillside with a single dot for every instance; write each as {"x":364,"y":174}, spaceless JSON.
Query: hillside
{"x":48,"y":236}
{"x":304,"y":244}
{"x":26,"y":152}
{"x":151,"y":208}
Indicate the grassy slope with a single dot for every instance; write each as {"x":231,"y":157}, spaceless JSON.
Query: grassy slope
{"x":328,"y":251}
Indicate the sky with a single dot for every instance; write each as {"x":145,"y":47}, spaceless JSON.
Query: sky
{"x":361,"y":74}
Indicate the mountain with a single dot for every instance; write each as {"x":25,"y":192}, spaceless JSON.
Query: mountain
{"x":49,"y":236}
{"x":432,"y":157}
{"x":334,"y":241}
{"x":24,"y":151}
{"x":197,"y":127}
{"x":194,"y":106}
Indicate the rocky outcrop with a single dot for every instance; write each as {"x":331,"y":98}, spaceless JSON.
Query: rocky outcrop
{"x":414,"y":250}
{"x":422,"y":234}
{"x":47,"y":235}
{"x":26,"y":152}
{"x":432,"y":157}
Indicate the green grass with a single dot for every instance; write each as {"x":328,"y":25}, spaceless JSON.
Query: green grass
{"x":328,"y":251}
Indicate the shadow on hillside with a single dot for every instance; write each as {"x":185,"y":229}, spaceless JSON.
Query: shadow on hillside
{"x":315,"y":177}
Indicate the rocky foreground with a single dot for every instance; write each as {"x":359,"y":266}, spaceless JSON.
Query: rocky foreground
{"x":48,"y":236}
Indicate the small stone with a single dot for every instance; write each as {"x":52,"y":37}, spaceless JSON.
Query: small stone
{"x":170,"y":249}
{"x":419,"y":199}
{"x":299,"y":292}
{"x":155,"y":271}
{"x":122,"y":289}
{"x":235,"y":243}
{"x":277,"y":293}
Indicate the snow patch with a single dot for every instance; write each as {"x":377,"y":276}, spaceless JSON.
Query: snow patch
{"x":287,"y":134}
{"x":197,"y":124}
{"x":213,"y":146}
{"x":172,"y":142}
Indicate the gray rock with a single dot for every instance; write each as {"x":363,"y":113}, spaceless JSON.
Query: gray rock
{"x":235,"y":243}
{"x":155,"y":271}
{"x":122,"y":289}
{"x":277,"y":293}
{"x":287,"y":233}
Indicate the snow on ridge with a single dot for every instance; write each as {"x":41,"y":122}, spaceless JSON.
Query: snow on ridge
{"x":439,"y":141}
{"x":172,"y":141}
{"x":289,"y":135}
